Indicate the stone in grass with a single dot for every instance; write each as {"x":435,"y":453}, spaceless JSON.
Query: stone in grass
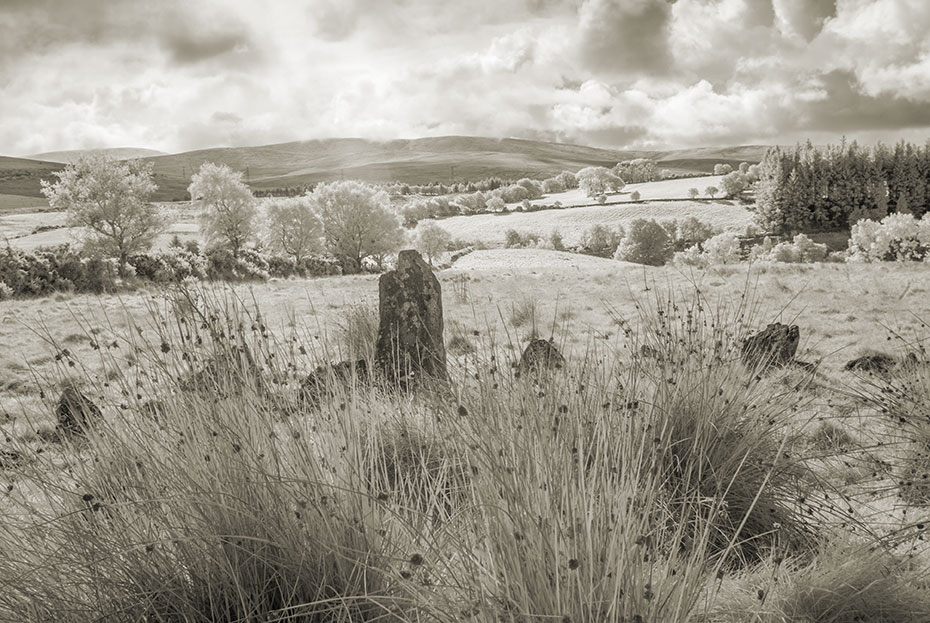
{"x":539,"y":356}
{"x":76,"y":412}
{"x":224,"y":373}
{"x":883,"y":364}
{"x":324,"y":381}
{"x":775,"y":345}
{"x":410,"y":349}
{"x":878,"y":363}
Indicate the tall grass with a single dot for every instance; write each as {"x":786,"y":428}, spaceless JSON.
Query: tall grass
{"x":620,"y":488}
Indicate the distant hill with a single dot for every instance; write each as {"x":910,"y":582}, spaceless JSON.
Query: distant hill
{"x":20,"y":176}
{"x":119,"y":153}
{"x":415,"y":161}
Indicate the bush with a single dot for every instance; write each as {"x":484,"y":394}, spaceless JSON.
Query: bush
{"x":897,"y":237}
{"x":692,"y":231}
{"x":724,"y":248}
{"x":601,"y":241}
{"x":634,"y":196}
{"x":57,"y":269}
{"x":646,"y":242}
{"x":515,"y":239}
{"x":555,"y":239}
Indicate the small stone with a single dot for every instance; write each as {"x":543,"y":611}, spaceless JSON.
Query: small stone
{"x":325,"y":379}
{"x":879,"y":363}
{"x":775,"y":345}
{"x":540,"y":355}
{"x":76,"y":412}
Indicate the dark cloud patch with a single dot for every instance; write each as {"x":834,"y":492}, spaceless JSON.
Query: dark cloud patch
{"x":334,"y":21}
{"x":188,"y":45}
{"x":846,"y":108}
{"x":625,"y":37}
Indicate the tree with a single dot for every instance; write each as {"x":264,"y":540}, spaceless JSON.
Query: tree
{"x":646,"y":242}
{"x":432,"y":240}
{"x":734,"y":184}
{"x":635,"y":196}
{"x":711,"y":191}
{"x":358,"y":223}
{"x":722,"y":169}
{"x":693,"y":193}
{"x":229,"y":213}
{"x":109,"y":199}
{"x":293,"y":228}
{"x":594,"y":181}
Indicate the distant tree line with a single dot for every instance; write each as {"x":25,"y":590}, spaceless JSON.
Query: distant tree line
{"x":810,"y":189}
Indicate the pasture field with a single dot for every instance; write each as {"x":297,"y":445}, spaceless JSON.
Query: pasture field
{"x":843,"y":309}
{"x":24,"y":227}
{"x":533,"y":499}
{"x":30,"y":230}
{"x":573,"y":222}
{"x":648,"y":191}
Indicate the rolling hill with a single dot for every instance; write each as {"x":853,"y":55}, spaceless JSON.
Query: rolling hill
{"x":416,"y":161}
{"x":120,"y":153}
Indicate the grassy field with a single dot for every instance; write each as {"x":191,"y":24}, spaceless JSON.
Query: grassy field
{"x":34,"y":229}
{"x":29,"y":229}
{"x":665,"y":189}
{"x":843,"y":308}
{"x":573,"y":222}
{"x":556,"y":498}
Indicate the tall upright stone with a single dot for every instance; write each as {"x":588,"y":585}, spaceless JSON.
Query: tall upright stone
{"x":410,"y":345}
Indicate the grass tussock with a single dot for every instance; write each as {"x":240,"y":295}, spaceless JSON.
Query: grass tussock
{"x":619,"y":488}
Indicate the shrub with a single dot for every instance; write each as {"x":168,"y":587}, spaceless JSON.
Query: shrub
{"x":646,"y":242}
{"x":692,"y":231}
{"x":555,"y":239}
{"x":601,"y":241}
{"x":723,"y":248}
{"x":634,"y":196}
{"x":897,"y":237}
{"x":515,"y":239}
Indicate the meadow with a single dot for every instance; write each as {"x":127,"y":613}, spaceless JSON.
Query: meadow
{"x":728,"y":495}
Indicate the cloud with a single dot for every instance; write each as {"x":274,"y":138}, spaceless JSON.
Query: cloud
{"x":179,"y":75}
{"x":803,"y":18}
{"x":624,"y":37}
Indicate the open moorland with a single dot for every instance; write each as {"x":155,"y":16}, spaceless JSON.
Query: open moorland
{"x":194,"y":450}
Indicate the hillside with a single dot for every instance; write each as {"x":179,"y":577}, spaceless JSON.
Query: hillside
{"x":21,"y":176}
{"x":120,"y":153}
{"x":414,"y":161}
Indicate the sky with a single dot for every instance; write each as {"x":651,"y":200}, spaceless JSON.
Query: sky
{"x":177,"y":75}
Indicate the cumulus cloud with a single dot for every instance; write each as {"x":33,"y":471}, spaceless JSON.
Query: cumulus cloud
{"x":624,"y":37}
{"x":623,"y":73}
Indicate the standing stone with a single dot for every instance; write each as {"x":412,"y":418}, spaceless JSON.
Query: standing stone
{"x":75,"y":411}
{"x":775,"y":345}
{"x":410,"y":346}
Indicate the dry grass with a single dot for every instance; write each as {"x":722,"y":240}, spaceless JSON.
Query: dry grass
{"x":678,"y":487}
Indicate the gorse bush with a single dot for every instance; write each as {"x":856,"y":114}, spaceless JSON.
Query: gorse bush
{"x":59,"y":269}
{"x":64,"y":269}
